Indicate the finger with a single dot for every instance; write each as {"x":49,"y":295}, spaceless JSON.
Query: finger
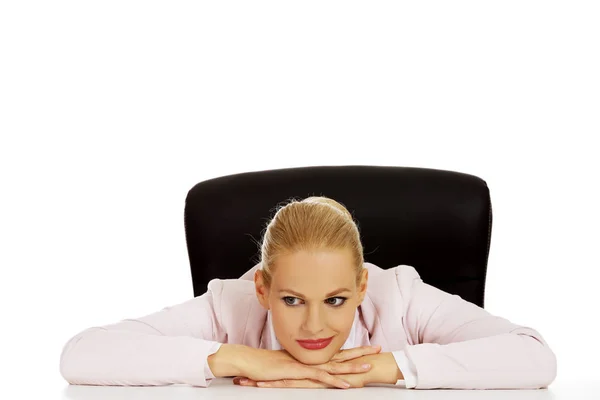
{"x":356,"y":352}
{"x":295,"y":383}
{"x":247,"y":382}
{"x":321,"y":375}
{"x":337,"y":368}
{"x":243,"y":381}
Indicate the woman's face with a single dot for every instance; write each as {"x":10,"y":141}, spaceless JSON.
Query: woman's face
{"x":313,"y":295}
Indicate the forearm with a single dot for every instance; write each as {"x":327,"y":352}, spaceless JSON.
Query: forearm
{"x":506,"y":361}
{"x":227,"y":361}
{"x":384,"y":368}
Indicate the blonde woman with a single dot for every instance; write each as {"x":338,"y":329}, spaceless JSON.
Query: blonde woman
{"x":313,"y":314}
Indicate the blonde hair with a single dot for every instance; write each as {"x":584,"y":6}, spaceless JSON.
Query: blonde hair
{"x":315,"y":223}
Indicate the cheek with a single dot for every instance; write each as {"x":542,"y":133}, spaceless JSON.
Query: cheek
{"x":339,"y":322}
{"x":285,"y":322}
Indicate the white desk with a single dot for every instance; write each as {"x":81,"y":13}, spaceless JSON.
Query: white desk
{"x":224,"y":388}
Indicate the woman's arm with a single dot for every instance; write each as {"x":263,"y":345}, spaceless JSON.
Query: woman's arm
{"x":459,"y":345}
{"x":225,"y":362}
{"x":166,"y":347}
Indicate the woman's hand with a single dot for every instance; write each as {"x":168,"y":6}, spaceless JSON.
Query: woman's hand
{"x":384,"y":370}
{"x":292,"y":373}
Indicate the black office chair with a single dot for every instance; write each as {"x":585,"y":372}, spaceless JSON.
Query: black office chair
{"x":439,"y":222}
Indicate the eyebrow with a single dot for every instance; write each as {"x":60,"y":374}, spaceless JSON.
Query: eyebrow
{"x":337,"y":291}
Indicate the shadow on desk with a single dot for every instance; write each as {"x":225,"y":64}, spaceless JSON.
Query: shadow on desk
{"x":224,"y":387}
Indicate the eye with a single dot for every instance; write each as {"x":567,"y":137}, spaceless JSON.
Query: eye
{"x":343,"y":300}
{"x":337,"y":301}
{"x":286,"y":298}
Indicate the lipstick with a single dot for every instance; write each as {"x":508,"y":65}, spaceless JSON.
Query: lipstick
{"x":315,"y":344}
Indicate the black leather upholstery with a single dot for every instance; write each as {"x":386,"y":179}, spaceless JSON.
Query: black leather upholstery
{"x":438,"y":221}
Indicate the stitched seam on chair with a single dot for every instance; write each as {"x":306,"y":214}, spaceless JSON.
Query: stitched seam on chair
{"x":488,"y":246}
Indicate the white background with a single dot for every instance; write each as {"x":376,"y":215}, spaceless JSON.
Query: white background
{"x":111,"y":111}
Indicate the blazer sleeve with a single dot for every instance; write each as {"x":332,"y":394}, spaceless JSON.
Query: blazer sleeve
{"x":170,"y":346}
{"x":459,"y":345}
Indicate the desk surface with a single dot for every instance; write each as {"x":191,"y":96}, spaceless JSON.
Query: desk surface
{"x":223,"y":387}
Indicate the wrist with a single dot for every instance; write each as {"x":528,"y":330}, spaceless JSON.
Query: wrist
{"x":228,"y":360}
{"x":386,"y":369}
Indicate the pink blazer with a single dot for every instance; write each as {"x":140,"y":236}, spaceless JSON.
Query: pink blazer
{"x":450,"y":342}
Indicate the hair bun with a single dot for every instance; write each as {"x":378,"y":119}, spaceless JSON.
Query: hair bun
{"x":329,"y":201}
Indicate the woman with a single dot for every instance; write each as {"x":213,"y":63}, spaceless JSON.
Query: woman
{"x":311,"y":285}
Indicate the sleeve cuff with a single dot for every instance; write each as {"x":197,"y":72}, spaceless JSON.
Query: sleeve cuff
{"x":407,"y":369}
{"x":212,"y":350}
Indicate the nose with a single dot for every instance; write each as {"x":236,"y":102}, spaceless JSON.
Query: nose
{"x":313,"y":320}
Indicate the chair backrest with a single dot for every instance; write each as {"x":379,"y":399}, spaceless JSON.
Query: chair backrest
{"x":437,"y":221}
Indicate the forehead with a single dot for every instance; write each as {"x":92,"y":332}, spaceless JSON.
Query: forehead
{"x":315,"y":271}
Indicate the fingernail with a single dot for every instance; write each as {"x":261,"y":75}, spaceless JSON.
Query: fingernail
{"x":346,"y":384}
{"x":366,"y":366}
{"x":243,"y":380}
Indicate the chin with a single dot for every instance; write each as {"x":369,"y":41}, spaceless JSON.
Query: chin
{"x":313,"y":357}
{"x":310,"y":359}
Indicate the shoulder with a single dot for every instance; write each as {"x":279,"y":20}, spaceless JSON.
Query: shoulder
{"x":399,"y":278}
{"x":391,"y":288}
{"x":226,"y":291}
{"x":230,"y":286}
{"x":389,"y":292}
{"x":234,"y":300}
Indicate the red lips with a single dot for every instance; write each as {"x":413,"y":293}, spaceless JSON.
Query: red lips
{"x":314,"y":340}
{"x":315,"y":344}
